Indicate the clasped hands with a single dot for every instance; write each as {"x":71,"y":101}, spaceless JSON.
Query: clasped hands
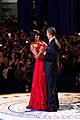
{"x":41,"y":50}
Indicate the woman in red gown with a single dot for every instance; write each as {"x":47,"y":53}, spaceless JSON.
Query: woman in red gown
{"x":38,"y":97}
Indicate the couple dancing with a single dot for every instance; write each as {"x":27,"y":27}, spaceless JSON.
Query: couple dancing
{"x":44,"y":94}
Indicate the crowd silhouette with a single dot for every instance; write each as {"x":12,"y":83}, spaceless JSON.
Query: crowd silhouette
{"x":17,"y":61}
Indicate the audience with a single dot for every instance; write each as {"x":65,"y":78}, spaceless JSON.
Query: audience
{"x":17,"y":62}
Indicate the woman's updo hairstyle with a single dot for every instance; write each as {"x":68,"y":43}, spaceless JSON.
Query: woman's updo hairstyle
{"x":32,"y":35}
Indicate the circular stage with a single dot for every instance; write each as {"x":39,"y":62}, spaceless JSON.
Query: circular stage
{"x":13,"y":107}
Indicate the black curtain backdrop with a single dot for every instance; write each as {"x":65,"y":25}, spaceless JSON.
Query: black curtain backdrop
{"x":61,"y":15}
{"x":78,"y":16}
{"x":25,"y":14}
{"x":64,"y":15}
{"x":41,"y":12}
{"x":21,"y":14}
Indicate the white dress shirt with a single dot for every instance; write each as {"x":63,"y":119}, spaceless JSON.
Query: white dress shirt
{"x":51,"y":39}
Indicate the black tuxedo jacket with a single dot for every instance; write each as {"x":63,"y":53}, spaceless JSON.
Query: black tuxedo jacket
{"x":51,"y":57}
{"x":51,"y":74}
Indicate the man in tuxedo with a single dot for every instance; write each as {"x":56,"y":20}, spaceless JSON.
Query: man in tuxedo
{"x":51,"y":69}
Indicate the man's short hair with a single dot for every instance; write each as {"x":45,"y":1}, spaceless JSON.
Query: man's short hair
{"x":52,"y":30}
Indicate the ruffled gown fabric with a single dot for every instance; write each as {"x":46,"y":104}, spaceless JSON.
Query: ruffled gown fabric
{"x":38,"y":98}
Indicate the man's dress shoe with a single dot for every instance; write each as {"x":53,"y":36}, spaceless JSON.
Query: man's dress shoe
{"x":52,"y":110}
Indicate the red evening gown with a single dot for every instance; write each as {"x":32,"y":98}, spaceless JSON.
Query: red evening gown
{"x":38,"y":98}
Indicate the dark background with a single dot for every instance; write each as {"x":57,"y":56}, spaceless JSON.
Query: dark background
{"x":64,"y":15}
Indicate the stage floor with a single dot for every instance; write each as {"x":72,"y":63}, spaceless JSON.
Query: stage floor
{"x":13,"y":107}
